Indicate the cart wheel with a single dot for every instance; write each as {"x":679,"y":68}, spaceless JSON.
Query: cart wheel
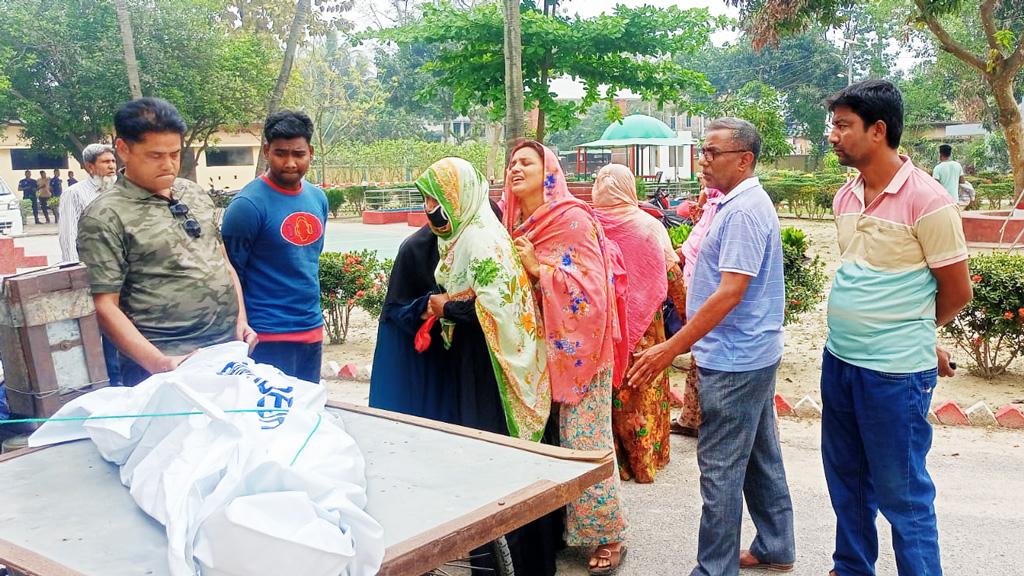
{"x":502,"y":557}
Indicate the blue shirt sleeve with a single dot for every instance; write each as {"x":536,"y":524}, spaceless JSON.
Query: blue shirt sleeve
{"x":744,"y":241}
{"x":241,"y":226}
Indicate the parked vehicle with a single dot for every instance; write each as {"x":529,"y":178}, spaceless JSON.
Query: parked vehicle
{"x":658,"y":205}
{"x":10,"y":211}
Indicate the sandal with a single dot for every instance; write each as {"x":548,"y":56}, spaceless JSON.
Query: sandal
{"x":676,"y":428}
{"x":750,"y":562}
{"x":614,"y":558}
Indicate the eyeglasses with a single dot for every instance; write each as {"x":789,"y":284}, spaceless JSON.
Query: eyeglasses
{"x":711,"y":153}
{"x":191,"y":225}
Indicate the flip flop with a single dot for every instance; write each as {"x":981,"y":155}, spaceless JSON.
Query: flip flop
{"x":614,"y":559}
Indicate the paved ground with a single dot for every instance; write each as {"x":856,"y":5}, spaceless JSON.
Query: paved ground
{"x":979,"y":474}
{"x":980,"y":479}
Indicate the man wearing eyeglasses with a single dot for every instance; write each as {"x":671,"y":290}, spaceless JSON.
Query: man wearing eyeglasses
{"x":161,"y":281}
{"x":735,"y":306}
{"x":274,"y":233}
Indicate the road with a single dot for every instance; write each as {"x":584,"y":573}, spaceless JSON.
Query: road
{"x":979,"y":474}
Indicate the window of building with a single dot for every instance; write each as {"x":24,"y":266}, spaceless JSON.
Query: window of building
{"x":28,"y":159}
{"x":237,"y":156}
{"x":689,"y":121}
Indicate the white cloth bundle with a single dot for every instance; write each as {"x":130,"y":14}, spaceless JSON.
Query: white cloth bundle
{"x":239,"y":493}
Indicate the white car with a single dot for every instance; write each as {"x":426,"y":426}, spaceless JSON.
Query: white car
{"x":10,"y":211}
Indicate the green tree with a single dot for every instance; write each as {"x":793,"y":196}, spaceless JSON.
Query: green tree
{"x":926,"y":96}
{"x":805,"y":69}
{"x":996,"y":55}
{"x":222,"y":83}
{"x":68,"y":76}
{"x":627,"y":49}
{"x":64,"y":71}
{"x":762,"y":106}
{"x":275,"y":17}
{"x":340,"y":93}
{"x":401,"y":71}
{"x":590,"y":127}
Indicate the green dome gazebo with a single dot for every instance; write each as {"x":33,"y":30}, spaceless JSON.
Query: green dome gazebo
{"x":636,"y":133}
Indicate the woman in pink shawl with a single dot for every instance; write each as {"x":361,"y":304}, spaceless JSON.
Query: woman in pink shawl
{"x":563,"y":249}
{"x":640,"y":415}
{"x":688,"y":421}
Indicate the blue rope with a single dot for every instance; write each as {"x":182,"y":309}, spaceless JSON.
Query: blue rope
{"x":123,"y":416}
{"x":316,"y":426}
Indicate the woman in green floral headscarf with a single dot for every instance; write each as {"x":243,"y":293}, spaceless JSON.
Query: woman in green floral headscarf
{"x":479,"y":262}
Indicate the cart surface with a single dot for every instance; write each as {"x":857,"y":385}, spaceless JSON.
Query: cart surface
{"x":439,"y":491}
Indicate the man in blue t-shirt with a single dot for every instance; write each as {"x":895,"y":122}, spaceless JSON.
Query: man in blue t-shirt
{"x":274,"y":233}
{"x":56,"y":185}
{"x":28,"y":187}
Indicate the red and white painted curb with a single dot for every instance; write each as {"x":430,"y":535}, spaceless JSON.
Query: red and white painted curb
{"x":331,"y":370}
{"x":948,"y":413}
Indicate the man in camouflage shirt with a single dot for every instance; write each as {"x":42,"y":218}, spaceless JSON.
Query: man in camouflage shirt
{"x":160,"y":279}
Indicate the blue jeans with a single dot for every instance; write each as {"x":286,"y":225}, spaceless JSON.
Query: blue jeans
{"x":875,"y":437}
{"x":739,"y":456}
{"x":110,"y":359}
{"x":295,"y":359}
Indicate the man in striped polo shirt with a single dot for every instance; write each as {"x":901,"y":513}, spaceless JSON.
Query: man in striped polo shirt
{"x":903,"y":273}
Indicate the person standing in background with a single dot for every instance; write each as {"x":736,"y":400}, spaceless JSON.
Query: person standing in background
{"x":43,"y":194}
{"x":56,"y":184}
{"x":28,"y":187}
{"x":949,"y":172}
{"x":101,"y":165}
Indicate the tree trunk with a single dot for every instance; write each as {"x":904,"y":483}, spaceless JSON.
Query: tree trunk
{"x":541,"y":119}
{"x":545,"y":72}
{"x":124,"y":19}
{"x":189,"y":160}
{"x":294,"y":33}
{"x":514,"y":107}
{"x":493,"y":142}
{"x":1010,"y":121}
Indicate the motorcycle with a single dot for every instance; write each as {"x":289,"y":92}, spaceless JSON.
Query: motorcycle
{"x":658,"y":205}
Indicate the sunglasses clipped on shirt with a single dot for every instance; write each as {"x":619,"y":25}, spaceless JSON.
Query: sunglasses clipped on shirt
{"x":190,"y":224}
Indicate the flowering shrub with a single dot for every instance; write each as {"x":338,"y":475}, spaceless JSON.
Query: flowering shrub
{"x":347,"y":280}
{"x":805,"y":277}
{"x":991,"y":327}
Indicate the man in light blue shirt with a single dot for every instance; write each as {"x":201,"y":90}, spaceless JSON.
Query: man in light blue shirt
{"x":735,"y":308}
{"x":949,"y":172}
